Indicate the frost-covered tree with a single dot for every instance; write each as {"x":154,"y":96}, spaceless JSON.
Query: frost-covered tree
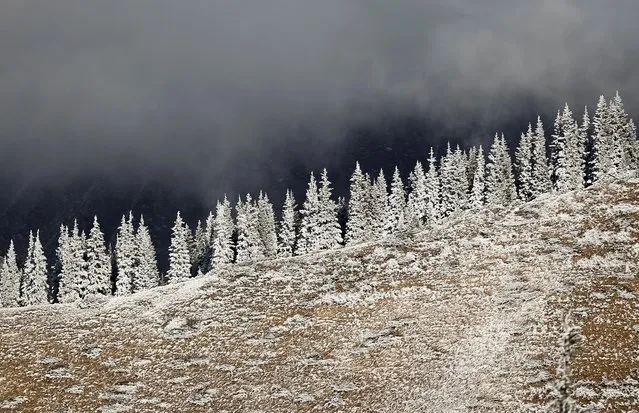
{"x":266,"y":225}
{"x":125,"y":257}
{"x":396,"y":203}
{"x":357,"y":225}
{"x":624,"y":136}
{"x":540,"y":174}
{"x":287,"y":235}
{"x":329,"y":235}
{"x":34,"y":289}
{"x":70,"y":256}
{"x":179,"y":257}
{"x":97,"y":263}
{"x":432,"y":185}
{"x":249,"y":243}
{"x":146,"y":273}
{"x":223,"y":229}
{"x":199,"y":245}
{"x":567,"y":153}
{"x":310,"y":227}
{"x":602,"y":162}
{"x":10,"y":276}
{"x":418,"y":196}
{"x":380,"y":208}
{"x":523,"y":165}
{"x":500,"y":183}
{"x":477,"y":197}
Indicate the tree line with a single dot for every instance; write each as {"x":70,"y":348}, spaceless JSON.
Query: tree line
{"x":577,"y":154}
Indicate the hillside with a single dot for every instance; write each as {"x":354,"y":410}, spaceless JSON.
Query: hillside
{"x":465,"y":316}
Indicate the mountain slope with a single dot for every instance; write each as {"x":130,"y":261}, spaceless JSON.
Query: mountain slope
{"x":465,"y":316}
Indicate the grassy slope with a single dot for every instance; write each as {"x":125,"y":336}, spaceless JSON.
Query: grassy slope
{"x":465,"y":317}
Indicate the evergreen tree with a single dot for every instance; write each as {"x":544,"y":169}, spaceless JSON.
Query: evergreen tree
{"x":223,"y":229}
{"x":396,"y":203}
{"x":309,"y":228}
{"x":357,"y":225}
{"x":249,"y":243}
{"x":34,"y":289}
{"x":567,"y":153}
{"x":447,"y":188}
{"x":540,"y":174}
{"x":432,"y":185}
{"x":125,"y":256}
{"x":10,"y":277}
{"x":478,"y":189}
{"x":266,"y":225}
{"x":624,"y":150}
{"x":97,"y":263}
{"x":288,"y":227}
{"x":146,"y":273}
{"x":198,"y":248}
{"x":601,"y":162}
{"x":418,"y":197}
{"x":523,"y":159}
{"x":329,"y":235}
{"x":380,"y":213}
{"x":70,"y":255}
{"x":500,"y":183}
{"x":179,"y":257}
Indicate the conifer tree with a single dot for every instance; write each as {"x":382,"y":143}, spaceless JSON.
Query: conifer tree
{"x":34,"y":289}
{"x":223,"y":229}
{"x":288,"y":227}
{"x":330,"y":232}
{"x":125,"y":256}
{"x":447,"y":176}
{"x":309,"y":228}
{"x":601,"y":162}
{"x":500,"y":183}
{"x":540,"y":174}
{"x":379,"y":207}
{"x":396,"y":203}
{"x":478,"y":189}
{"x":418,"y":197}
{"x":146,"y":273}
{"x":249,"y":243}
{"x":97,"y":264}
{"x":432,"y":184}
{"x":266,"y":225}
{"x":70,"y":255}
{"x":357,"y":225}
{"x":10,"y":277}
{"x":179,"y":257}
{"x":523,"y":162}
{"x":567,"y":153}
{"x":198,"y":248}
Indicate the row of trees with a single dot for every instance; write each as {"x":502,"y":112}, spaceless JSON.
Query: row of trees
{"x":577,"y":154}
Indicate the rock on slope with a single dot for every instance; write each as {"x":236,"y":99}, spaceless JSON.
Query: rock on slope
{"x":463,"y":317}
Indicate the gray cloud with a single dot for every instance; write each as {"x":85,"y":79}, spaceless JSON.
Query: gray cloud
{"x":157,"y":85}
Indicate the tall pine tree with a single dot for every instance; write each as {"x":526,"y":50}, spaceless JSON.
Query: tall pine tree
{"x":10,"y":276}
{"x":179,"y":257}
{"x":34,"y":289}
{"x":287,"y":239}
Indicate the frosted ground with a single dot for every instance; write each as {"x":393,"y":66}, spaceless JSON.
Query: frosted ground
{"x":464,"y":316}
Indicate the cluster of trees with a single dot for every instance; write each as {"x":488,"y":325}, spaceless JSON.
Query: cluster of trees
{"x":576,"y":155}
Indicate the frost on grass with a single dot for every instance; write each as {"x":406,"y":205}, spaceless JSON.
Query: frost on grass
{"x":462,"y":316}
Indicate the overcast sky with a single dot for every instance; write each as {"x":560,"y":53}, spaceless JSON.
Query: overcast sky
{"x":165,"y":85}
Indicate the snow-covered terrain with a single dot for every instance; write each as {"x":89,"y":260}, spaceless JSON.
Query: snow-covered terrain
{"x":464,"y":316}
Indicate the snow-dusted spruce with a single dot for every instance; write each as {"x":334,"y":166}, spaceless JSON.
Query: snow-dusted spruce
{"x":567,"y":153}
{"x":179,"y":257}
{"x":70,"y":255}
{"x":379,"y":211}
{"x":329,"y":231}
{"x":477,"y":197}
{"x":500,"y":183}
{"x":125,"y":257}
{"x":249,"y":243}
{"x":540,"y":173}
{"x":287,"y":234}
{"x":418,"y":196}
{"x":396,"y":203}
{"x":624,"y":135}
{"x":146,"y":273}
{"x":523,"y":165}
{"x":10,"y":276}
{"x":432,"y":184}
{"x":357,"y":225}
{"x":34,"y":289}
{"x":223,"y":229}
{"x":266,"y":225}
{"x":97,"y":264}
{"x":198,"y":247}
{"x":309,"y":227}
